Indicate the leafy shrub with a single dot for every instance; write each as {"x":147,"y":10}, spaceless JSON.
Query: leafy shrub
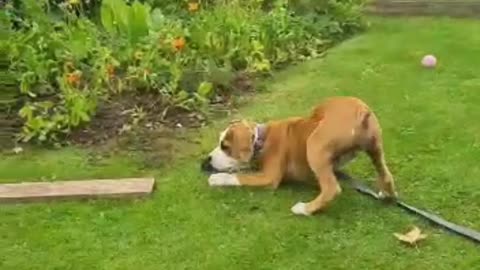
{"x":132,"y":21}
{"x":57,"y":67}
{"x":184,"y":51}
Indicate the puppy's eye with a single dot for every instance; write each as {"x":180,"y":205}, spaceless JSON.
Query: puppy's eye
{"x":224,"y":147}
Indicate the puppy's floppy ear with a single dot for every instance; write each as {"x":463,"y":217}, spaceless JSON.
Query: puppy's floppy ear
{"x":228,"y":137}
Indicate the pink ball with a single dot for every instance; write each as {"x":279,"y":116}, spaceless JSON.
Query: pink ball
{"x":429,"y":61}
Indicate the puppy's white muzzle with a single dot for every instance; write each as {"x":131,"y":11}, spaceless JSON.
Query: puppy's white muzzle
{"x":221,"y":161}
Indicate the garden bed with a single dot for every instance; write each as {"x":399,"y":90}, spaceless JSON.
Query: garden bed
{"x":87,"y":73}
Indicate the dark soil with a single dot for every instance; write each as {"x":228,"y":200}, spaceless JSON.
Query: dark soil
{"x":144,"y":124}
{"x":126,"y":113}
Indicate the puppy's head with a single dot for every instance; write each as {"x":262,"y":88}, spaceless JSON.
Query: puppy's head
{"x":235,"y":147}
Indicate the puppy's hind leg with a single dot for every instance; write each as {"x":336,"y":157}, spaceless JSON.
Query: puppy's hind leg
{"x":374,"y":149}
{"x":385,"y":179}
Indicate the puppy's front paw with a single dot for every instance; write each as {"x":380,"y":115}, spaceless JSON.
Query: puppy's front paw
{"x":223,"y":179}
{"x":300,"y":208}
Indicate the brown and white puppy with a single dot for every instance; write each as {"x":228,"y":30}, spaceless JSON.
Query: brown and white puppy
{"x":300,"y":148}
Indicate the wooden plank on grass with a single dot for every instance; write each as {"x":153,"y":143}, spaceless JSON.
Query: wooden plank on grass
{"x":107,"y":188}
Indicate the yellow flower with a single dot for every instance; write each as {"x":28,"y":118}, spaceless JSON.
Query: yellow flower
{"x":193,"y":6}
{"x":110,"y":70}
{"x":138,"y":55}
{"x":69,"y":65}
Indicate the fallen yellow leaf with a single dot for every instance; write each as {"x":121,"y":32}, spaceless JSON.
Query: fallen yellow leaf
{"x":412,"y":237}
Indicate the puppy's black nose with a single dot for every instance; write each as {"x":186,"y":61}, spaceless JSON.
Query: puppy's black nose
{"x":206,"y":164}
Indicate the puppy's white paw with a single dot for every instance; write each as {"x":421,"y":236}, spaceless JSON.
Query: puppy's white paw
{"x":300,"y":208}
{"x":382,"y":195}
{"x":223,"y":179}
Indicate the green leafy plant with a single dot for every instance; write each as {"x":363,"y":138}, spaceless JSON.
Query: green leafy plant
{"x":132,"y":21}
{"x":187,"y":52}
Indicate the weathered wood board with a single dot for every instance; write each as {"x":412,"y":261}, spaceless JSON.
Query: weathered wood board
{"x":46,"y":191}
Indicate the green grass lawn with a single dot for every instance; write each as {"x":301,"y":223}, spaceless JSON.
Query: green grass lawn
{"x":432,"y":141}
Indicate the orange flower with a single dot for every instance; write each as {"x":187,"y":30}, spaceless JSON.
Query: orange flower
{"x":179,"y":43}
{"x":73,"y":78}
{"x":193,"y":6}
